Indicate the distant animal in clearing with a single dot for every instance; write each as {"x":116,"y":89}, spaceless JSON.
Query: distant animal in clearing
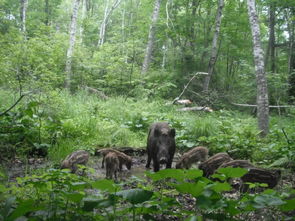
{"x":195,"y":155}
{"x":160,"y":145}
{"x":123,"y":158}
{"x":112,"y":165}
{"x":72,"y":160}
{"x":209,"y":166}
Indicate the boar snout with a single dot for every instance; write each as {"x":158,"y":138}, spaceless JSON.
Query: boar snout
{"x":163,"y":160}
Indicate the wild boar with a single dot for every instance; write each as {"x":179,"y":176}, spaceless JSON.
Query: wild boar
{"x":112,"y":165}
{"x":210,"y":165}
{"x":237,"y":163}
{"x":160,"y":145}
{"x":261,"y":175}
{"x":193,"y":156}
{"x":123,"y":158}
{"x":75,"y":158}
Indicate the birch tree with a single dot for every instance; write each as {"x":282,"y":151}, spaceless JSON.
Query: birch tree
{"x":107,"y":13}
{"x":262,"y":94}
{"x":270,"y":52}
{"x":73,"y":28}
{"x":151,"y":37}
{"x":23,"y":13}
{"x":213,"y":56}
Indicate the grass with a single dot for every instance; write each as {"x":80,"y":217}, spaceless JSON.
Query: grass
{"x":83,"y":121}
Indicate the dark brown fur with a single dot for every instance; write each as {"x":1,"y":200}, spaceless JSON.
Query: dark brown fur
{"x":237,"y":163}
{"x":75,"y":158}
{"x":210,"y":165}
{"x":123,"y":158}
{"x":192,"y":156}
{"x":112,"y":165}
{"x":160,"y":145}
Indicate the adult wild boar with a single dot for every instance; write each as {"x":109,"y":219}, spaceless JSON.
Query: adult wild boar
{"x":160,"y":145}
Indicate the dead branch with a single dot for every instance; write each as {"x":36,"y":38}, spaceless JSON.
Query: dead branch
{"x":207,"y":109}
{"x":271,"y":106}
{"x":12,"y":106}
{"x":185,"y":87}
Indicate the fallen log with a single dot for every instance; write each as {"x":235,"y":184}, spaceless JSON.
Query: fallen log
{"x":270,"y":106}
{"x":206,"y":109}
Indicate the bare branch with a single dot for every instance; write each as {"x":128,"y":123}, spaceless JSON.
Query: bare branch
{"x":271,"y":106}
{"x":185,"y":87}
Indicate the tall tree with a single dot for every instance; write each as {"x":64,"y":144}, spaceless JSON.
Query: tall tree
{"x":262,"y":94}
{"x":151,"y":38}
{"x":73,"y":29}
{"x":270,"y":52}
{"x":107,"y":13}
{"x":291,"y":65}
{"x":23,"y":13}
{"x":213,"y":56}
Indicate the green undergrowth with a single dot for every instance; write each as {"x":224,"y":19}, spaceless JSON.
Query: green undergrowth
{"x":56,"y":123}
{"x":182,"y":194}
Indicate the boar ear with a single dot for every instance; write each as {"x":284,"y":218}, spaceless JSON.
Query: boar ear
{"x":172,"y":132}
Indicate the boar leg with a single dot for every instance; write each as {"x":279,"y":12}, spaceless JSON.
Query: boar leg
{"x":102,"y":164}
{"x":169,"y":164}
{"x":148,"y":161}
{"x":156,"y":165}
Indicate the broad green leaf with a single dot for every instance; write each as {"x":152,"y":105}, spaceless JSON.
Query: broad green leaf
{"x":74,"y":197}
{"x":23,"y":208}
{"x":232,"y":172}
{"x":91,"y":202}
{"x":195,"y":189}
{"x":105,"y":185}
{"x":193,"y":173}
{"x":220,"y":187}
{"x":135,"y":196}
{"x":79,"y":185}
{"x":262,"y":201}
{"x":167,"y":173}
{"x":288,"y":206}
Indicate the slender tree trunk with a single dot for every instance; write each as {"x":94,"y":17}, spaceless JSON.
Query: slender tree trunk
{"x":262,"y":94}
{"x":107,"y":13}
{"x":151,"y":38}
{"x":73,"y":29}
{"x":271,"y":42}
{"x":46,"y":12}
{"x":83,"y":14}
{"x":213,"y":56}
{"x":291,"y":63}
{"x":23,"y":13}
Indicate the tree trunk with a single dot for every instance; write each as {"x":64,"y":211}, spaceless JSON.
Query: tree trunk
{"x":262,"y":94}
{"x":107,"y":13}
{"x":23,"y":12}
{"x":46,"y":12}
{"x":151,"y":38}
{"x":213,"y":56}
{"x":73,"y":29}
{"x":271,"y":41}
{"x":291,"y":29}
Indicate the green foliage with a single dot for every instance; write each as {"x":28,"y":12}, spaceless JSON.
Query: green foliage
{"x":60,"y":195}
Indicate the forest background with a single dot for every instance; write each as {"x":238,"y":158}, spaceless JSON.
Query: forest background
{"x":82,"y":74}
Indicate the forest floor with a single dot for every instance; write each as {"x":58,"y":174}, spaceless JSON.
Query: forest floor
{"x":18,"y":168}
